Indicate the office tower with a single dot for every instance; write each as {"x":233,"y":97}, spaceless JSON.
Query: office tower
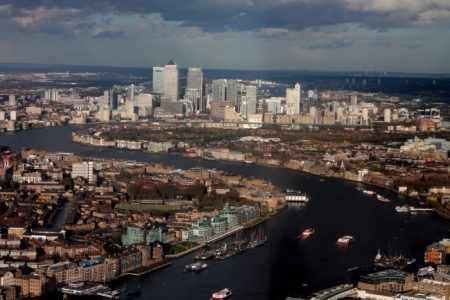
{"x":250,"y":97}
{"x":12,"y":100}
{"x":114,"y":98}
{"x":171,"y":81}
{"x":129,"y":109}
{"x":195,"y":98}
{"x":219,"y":87}
{"x":243,"y":107}
{"x":293,"y":100}
{"x":232,"y":91}
{"x":195,"y":79}
{"x":158,"y":80}
{"x":144,"y":103}
{"x":131,"y":92}
{"x":273,"y":105}
{"x":194,"y":88}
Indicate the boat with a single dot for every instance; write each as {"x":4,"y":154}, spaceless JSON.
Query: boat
{"x":392,"y":262}
{"x":223,"y":294}
{"x":195,"y":267}
{"x":369,"y":192}
{"x":382,"y":199}
{"x":307,"y":232}
{"x":402,"y":209}
{"x":257,"y":239}
{"x":205,"y":255}
{"x":346,"y":239}
{"x":296,"y":196}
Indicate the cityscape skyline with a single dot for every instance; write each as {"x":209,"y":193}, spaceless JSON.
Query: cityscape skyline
{"x":404,"y":36}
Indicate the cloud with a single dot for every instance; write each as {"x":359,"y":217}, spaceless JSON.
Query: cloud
{"x":100,"y":33}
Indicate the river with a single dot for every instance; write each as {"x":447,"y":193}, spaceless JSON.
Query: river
{"x":286,"y":265}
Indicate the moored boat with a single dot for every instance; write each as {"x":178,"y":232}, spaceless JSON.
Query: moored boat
{"x":369,"y":192}
{"x":382,"y":199}
{"x":392,"y":262}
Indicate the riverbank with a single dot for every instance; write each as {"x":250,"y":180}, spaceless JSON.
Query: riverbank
{"x":215,"y":239}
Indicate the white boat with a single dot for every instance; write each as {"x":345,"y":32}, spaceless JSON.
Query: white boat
{"x":307,"y":232}
{"x":223,"y":294}
{"x":369,"y":192}
{"x":296,"y":196}
{"x":346,"y":239}
{"x":195,"y":267}
{"x":402,"y":209}
{"x":382,"y":199}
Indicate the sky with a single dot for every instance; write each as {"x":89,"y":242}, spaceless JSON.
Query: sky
{"x":326,"y":35}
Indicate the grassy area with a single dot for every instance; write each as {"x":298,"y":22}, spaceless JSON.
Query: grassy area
{"x":147,"y":207}
{"x":181,"y":247}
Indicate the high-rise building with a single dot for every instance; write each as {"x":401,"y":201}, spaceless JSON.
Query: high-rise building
{"x":12,"y":100}
{"x":250,"y":97}
{"x":114,"y":98}
{"x":219,"y":88}
{"x":194,"y":88}
{"x":171,"y":80}
{"x":131,"y":92}
{"x":195,"y":79}
{"x":158,"y":80}
{"x":232,"y":91}
{"x":52,"y":95}
{"x":144,"y":103}
{"x":194,"y":96}
{"x":293,"y":100}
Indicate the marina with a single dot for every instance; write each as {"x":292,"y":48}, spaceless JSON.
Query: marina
{"x":384,"y":261}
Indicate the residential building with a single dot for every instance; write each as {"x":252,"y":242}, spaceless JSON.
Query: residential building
{"x":31,"y":285}
{"x":83,"y":169}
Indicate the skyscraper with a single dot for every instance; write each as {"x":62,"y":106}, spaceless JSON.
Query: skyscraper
{"x":195,"y":79}
{"x":194,"y":88}
{"x":171,"y":81}
{"x":293,"y":100}
{"x":158,"y":80}
{"x":232,"y":91}
{"x":194,"y":96}
{"x":114,"y":98}
{"x":250,"y":96}
{"x":219,"y":87}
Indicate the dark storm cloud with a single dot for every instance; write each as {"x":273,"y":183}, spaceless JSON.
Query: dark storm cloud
{"x":240,"y":15}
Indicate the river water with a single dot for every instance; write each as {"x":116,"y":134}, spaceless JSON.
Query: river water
{"x":286,"y":265}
